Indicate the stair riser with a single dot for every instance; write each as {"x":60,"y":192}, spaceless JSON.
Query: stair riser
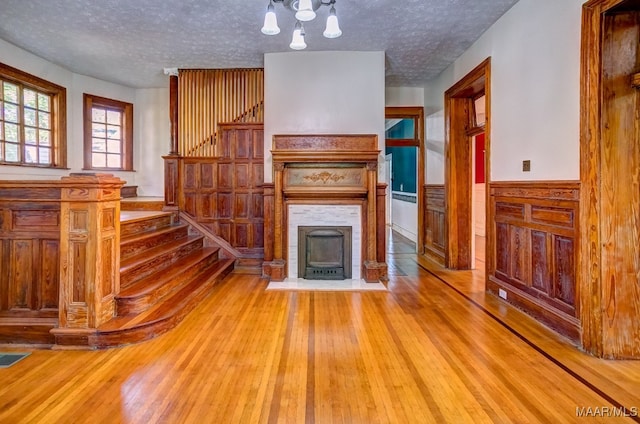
{"x":158,"y":262}
{"x":131,"y":205}
{"x":133,"y":247}
{"x":148,"y":224}
{"x":126,"y":306}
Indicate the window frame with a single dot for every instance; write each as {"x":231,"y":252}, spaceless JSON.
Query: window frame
{"x":89,"y":101}
{"x":58,"y":95}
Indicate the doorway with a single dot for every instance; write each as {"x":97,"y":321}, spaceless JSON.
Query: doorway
{"x":404,"y":150}
{"x":464,"y":122}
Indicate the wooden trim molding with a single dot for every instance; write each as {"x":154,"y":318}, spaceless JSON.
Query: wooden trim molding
{"x":533,"y":238}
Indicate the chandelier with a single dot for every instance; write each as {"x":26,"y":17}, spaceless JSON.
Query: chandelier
{"x":305,"y":11}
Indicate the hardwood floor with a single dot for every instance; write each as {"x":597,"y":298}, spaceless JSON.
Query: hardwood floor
{"x":433,"y":348}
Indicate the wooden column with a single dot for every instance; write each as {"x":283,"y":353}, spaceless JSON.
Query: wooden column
{"x":381,"y":236}
{"x":372,"y":270}
{"x":172,"y":181}
{"x":89,"y":254}
{"x":173,"y":113}
{"x":172,"y":161}
{"x":278,"y":265}
{"x":268,"y":192}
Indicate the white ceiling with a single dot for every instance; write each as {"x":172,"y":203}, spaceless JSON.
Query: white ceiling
{"x":130,"y":41}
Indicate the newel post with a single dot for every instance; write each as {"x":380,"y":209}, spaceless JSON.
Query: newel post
{"x":89,"y":254}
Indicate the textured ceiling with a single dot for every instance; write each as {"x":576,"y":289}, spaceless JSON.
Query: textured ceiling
{"x":130,"y":41}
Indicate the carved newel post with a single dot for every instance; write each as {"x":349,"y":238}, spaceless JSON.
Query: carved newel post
{"x":89,"y":254}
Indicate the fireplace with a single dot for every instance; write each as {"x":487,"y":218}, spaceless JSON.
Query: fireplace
{"x":324,"y":253}
{"x":325,"y":180}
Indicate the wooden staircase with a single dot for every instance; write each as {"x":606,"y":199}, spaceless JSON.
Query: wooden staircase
{"x":164,"y":273}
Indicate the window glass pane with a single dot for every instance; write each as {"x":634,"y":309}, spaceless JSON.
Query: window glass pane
{"x":113,"y":132}
{"x":44,"y":120}
{"x":11,"y":132}
{"x":45,"y":138}
{"x":1,"y":109}
{"x":31,"y":154}
{"x":10,"y":112}
{"x":29,"y":98}
{"x":1,"y":150}
{"x":98,"y":115}
{"x":113,"y":117}
{"x":98,"y":145}
{"x":45,"y":155}
{"x":399,"y":128}
{"x":113,"y":161}
{"x":10,"y":92}
{"x":99,"y":130}
{"x":11,"y":152}
{"x":113,"y":146}
{"x":43,"y":102}
{"x":479,"y":106}
{"x":30,"y":135}
{"x":98,"y":160}
{"x":30,"y":117}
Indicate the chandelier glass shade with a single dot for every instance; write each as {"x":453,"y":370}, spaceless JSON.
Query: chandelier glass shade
{"x":305,"y":11}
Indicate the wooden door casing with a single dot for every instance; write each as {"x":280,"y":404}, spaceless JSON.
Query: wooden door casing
{"x":609,"y":168}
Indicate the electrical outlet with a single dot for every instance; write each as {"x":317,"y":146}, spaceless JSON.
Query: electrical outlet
{"x":526,"y":165}
{"x":502,"y":294}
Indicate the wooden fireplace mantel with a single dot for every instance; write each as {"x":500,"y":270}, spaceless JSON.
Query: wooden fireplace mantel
{"x":326,"y":169}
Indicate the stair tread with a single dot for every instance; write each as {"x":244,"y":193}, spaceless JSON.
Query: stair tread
{"x":157,"y":279}
{"x":142,"y":257}
{"x":169,"y":306}
{"x":135,"y":216}
{"x":134,"y":237}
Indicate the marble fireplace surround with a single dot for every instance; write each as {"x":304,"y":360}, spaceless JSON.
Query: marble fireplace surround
{"x":326,"y":172}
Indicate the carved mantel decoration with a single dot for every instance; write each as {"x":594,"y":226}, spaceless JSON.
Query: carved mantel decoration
{"x":326,"y":170}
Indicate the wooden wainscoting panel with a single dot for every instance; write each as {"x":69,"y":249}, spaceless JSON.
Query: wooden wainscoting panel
{"x":29,"y":260}
{"x":564,"y":270}
{"x":540,"y":266}
{"x":434,"y":229}
{"x":223,"y":194}
{"x":208,"y":175}
{"x":534,"y":234}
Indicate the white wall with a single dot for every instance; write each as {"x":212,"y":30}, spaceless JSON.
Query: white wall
{"x":323,"y":93}
{"x":535,"y":100}
{"x":404,"y":96}
{"x":151,"y":134}
{"x":405,"y":219}
{"x":153,"y":129}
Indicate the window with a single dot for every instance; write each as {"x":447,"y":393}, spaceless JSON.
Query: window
{"x":32,"y":120}
{"x":108,"y":134}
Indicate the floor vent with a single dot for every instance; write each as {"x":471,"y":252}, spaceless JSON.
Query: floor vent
{"x":8,"y":359}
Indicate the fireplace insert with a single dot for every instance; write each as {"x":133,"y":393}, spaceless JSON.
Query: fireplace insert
{"x":324,"y":253}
